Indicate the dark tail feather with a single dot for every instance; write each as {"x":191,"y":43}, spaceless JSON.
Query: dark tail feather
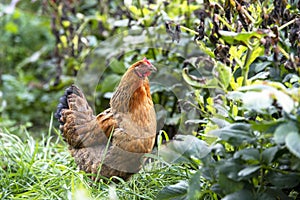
{"x":63,"y":103}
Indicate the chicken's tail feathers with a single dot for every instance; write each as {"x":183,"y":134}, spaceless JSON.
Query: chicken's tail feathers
{"x":63,"y":103}
{"x":72,"y":99}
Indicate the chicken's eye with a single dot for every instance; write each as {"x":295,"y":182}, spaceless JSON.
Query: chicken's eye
{"x":139,"y":72}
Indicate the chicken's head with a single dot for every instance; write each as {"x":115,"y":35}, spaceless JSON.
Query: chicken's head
{"x":144,"y":68}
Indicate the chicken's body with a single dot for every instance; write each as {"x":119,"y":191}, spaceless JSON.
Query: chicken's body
{"x":113,"y":142}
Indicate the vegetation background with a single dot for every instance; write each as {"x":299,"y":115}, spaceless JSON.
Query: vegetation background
{"x":227,"y":86}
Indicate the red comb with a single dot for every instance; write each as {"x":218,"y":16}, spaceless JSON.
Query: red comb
{"x":146,"y":61}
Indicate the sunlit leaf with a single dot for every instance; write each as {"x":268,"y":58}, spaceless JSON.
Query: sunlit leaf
{"x":205,"y":49}
{"x":198,"y":81}
{"x":257,"y":100}
{"x":134,"y":10}
{"x":258,"y":51}
{"x":248,"y":170}
{"x":261,"y":96}
{"x":292,"y":141}
{"x":121,"y":23}
{"x":264,"y":126}
{"x":224,"y":74}
{"x":260,"y":76}
{"x":239,"y":38}
{"x":128,"y":3}
{"x":11,"y":27}
{"x":176,"y":192}
{"x":285,"y":101}
{"x":64,"y":40}
{"x":283,"y":131}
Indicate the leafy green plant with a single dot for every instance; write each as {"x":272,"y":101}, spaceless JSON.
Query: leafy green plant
{"x":26,"y":41}
{"x":237,"y":99}
{"x":248,"y":106}
{"x":251,"y":158}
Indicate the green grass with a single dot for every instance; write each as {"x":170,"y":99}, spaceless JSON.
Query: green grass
{"x":43,"y":169}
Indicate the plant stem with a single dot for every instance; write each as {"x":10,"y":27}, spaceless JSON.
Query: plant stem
{"x":261,"y":180}
{"x":225,"y":23}
{"x":141,"y":9}
{"x":189,"y":30}
{"x":283,"y":51}
{"x":245,"y":69}
{"x":245,"y":12}
{"x":286,"y":24}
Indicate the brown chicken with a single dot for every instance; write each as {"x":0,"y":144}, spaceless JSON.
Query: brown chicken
{"x":113,"y":142}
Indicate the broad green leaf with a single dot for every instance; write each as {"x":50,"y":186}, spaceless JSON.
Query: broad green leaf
{"x":239,"y":195}
{"x":250,"y":154}
{"x":283,"y":180}
{"x":241,"y":126}
{"x":205,"y":49}
{"x":258,"y":67}
{"x":238,"y":38}
{"x":199,"y":82}
{"x":265,"y":126}
{"x":235,"y":95}
{"x":276,"y":85}
{"x":127,"y":3}
{"x":134,"y":10}
{"x":260,"y":76}
{"x":121,"y":23}
{"x":223,"y":74}
{"x":195,"y":121}
{"x":257,"y":51}
{"x":256,"y":87}
{"x":271,"y":194}
{"x":229,"y":185}
{"x":283,"y":130}
{"x":269,"y":154}
{"x":236,"y":53}
{"x":177,"y":191}
{"x":260,"y":96}
{"x":110,"y":82}
{"x":158,"y":87}
{"x":184,"y":148}
{"x":117,"y":67}
{"x":293,"y":143}
{"x":194,"y":189}
{"x":235,"y":134}
{"x":230,"y":169}
{"x":248,"y":170}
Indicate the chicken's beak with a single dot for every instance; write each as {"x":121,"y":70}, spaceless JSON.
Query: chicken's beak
{"x":152,"y":68}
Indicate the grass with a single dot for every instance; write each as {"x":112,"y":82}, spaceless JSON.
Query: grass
{"x":43,"y":169}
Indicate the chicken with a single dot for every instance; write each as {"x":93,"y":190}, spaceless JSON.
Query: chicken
{"x":113,"y":142}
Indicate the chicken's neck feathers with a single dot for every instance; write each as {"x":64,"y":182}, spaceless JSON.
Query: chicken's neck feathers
{"x":132,"y":93}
